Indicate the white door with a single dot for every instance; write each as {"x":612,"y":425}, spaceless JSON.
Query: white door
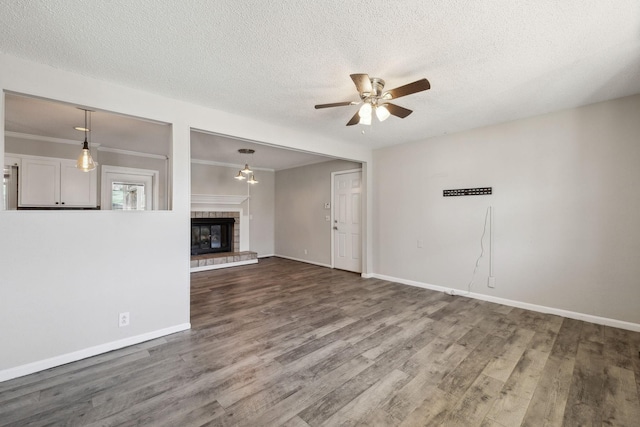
{"x":129,"y":188}
{"x":347,"y":221}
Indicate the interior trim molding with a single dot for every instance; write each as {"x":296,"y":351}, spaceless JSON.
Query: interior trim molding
{"x":95,"y":145}
{"x":606,"y":321}
{"x":133,"y":153}
{"x":215,"y":199}
{"x":228,"y":165}
{"x":41,"y":365}
{"x":46,"y":138}
{"x":265,"y":256}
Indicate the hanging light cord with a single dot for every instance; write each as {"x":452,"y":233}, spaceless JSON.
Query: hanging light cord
{"x":86,"y":129}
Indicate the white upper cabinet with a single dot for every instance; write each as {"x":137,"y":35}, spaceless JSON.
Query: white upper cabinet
{"x":46,"y":182}
{"x":77,"y":188}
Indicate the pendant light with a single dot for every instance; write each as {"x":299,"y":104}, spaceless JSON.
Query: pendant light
{"x":85,"y":162}
{"x":247,"y":170}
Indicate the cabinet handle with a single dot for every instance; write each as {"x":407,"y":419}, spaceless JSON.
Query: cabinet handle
{"x":63,"y":203}
{"x":56,"y":203}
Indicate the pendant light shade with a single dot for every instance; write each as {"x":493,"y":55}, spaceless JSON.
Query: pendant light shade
{"x":85,"y":162}
{"x":240,"y":177}
{"x":246,"y":169}
{"x":252,"y":180}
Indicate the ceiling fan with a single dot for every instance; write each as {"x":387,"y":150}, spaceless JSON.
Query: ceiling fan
{"x":373,"y":99}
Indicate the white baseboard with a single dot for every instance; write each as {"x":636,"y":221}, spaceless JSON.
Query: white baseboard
{"x":225,"y":265}
{"x":367,"y":275}
{"x":304,"y":260}
{"x":41,"y":365}
{"x":527,"y":306}
{"x":266,"y":256}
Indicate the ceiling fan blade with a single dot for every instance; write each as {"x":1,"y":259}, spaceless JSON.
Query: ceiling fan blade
{"x":363,"y":83}
{"x":355,"y":119}
{"x":335,"y":104}
{"x":398,"y":111}
{"x":408,"y":89}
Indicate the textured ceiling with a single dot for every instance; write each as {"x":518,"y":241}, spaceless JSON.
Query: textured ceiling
{"x":487,"y":61}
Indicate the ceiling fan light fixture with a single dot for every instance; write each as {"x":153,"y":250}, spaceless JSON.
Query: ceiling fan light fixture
{"x":365,"y":114}
{"x":373,"y":97}
{"x":382,"y":113}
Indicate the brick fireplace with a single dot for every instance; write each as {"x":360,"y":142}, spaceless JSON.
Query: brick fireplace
{"x":207,"y":249}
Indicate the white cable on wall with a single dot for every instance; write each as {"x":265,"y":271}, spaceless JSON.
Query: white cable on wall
{"x":487,"y":216}
{"x":490,"y":241}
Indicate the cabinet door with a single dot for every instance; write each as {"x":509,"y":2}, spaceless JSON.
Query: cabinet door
{"x":39,"y":182}
{"x":77,"y":188}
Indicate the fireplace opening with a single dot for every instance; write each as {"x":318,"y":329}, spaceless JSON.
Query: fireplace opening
{"x":211,"y":235}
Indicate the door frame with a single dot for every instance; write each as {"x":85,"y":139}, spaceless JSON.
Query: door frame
{"x":105,"y":191}
{"x":331,"y":222}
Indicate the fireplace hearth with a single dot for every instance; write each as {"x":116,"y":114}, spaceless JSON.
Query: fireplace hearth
{"x":212,"y":235}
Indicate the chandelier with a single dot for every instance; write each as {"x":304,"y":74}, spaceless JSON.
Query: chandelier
{"x":246,"y":172}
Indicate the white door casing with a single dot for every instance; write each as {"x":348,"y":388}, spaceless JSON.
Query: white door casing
{"x":347,"y":220}
{"x":146,"y":177}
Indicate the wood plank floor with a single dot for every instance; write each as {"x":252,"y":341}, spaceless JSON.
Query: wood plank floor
{"x":283,"y":343}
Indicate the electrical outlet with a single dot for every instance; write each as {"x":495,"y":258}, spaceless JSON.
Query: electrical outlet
{"x":327,"y":205}
{"x":491,"y":282}
{"x":123,"y":319}
{"x":306,"y":252}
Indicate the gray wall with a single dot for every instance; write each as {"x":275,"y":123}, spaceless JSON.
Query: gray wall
{"x":565,"y":201}
{"x":34,"y":147}
{"x":300,"y":215}
{"x":219,"y":180}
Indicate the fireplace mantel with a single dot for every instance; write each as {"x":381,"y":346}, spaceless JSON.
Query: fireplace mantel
{"x":217,"y":199}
